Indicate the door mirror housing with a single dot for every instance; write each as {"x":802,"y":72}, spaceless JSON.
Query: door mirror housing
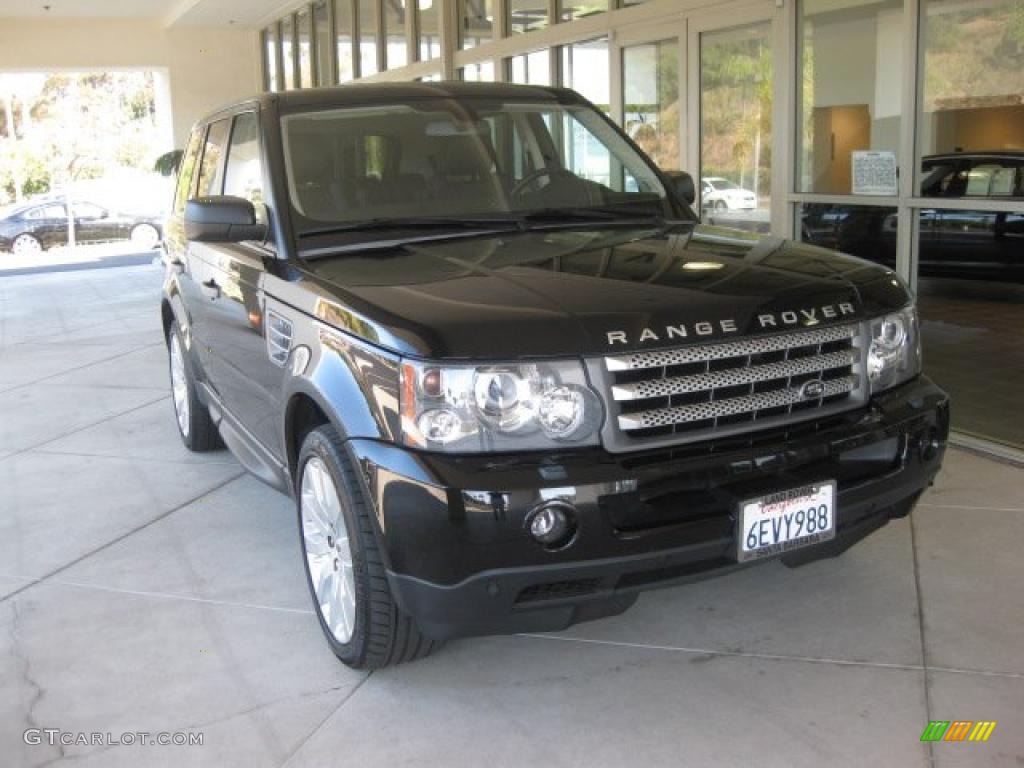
{"x":222,"y":219}
{"x":682,"y":184}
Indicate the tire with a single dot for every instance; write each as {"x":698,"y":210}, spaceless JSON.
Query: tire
{"x":721,"y":205}
{"x":196,"y":428}
{"x":26,"y":245}
{"x":348,"y":566}
{"x":145,"y":236}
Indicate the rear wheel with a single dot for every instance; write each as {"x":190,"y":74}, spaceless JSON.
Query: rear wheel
{"x":357,"y":613}
{"x":195,"y":426}
{"x":145,"y":236}
{"x":26,"y":245}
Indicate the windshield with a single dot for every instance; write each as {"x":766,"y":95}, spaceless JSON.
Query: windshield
{"x":723,"y":184}
{"x":463,"y":158}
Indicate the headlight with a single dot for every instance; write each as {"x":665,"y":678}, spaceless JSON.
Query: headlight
{"x":519,"y":406}
{"x":894,"y":355}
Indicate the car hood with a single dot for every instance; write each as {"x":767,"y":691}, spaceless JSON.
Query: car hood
{"x":590,"y":292}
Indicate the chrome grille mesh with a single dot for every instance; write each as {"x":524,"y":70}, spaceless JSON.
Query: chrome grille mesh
{"x":705,"y":390}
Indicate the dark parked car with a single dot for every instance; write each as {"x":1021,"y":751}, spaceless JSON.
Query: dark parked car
{"x":975,"y":244}
{"x":33,"y":227}
{"x":510,"y":385}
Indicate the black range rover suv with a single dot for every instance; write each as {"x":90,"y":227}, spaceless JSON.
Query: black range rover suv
{"x":508,"y":377}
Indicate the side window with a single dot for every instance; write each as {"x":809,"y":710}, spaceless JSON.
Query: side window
{"x":88,"y":211}
{"x":987,"y":179}
{"x":243,"y":172}
{"x":210,"y":173}
{"x":47,"y":212}
{"x":187,"y":170}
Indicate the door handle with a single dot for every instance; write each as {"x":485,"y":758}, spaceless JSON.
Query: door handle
{"x":175,"y":264}
{"x":211,"y":289}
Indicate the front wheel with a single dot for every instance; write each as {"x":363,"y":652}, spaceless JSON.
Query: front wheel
{"x":357,"y":613}
{"x":26,"y":245}
{"x":721,"y":205}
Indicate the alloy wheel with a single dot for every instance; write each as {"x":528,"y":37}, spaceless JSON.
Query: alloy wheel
{"x":179,"y":386}
{"x":25,"y":245}
{"x":328,"y":550}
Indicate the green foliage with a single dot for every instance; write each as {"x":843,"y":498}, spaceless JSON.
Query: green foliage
{"x":69,"y":126}
{"x":167,"y":164}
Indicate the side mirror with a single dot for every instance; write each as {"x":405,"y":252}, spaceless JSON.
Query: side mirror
{"x":682,"y":185}
{"x":222,"y":219}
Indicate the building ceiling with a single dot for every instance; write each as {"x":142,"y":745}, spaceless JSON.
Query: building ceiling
{"x":243,"y":13}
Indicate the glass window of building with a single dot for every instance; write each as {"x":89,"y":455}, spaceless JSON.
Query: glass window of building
{"x":343,"y":23}
{"x":850,"y":94}
{"x":527,"y":15}
{"x":571,"y":10}
{"x":288,"y":53}
{"x":394,"y":33}
{"x":973,"y":89}
{"x":476,"y":19}
{"x":479,"y":72}
{"x":650,"y":85}
{"x":324,"y":43}
{"x":367,"y":37}
{"x":273,"y":82}
{"x":532,"y":68}
{"x":304,"y":28}
{"x":430,"y":32}
{"x":970,"y":270}
{"x":585,"y":69}
{"x":736,"y":125}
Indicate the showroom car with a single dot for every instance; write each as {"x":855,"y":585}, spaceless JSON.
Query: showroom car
{"x":972,"y":244}
{"x":35,"y":226}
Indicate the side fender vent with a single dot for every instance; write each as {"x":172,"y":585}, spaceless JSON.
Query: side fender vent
{"x":279,"y":338}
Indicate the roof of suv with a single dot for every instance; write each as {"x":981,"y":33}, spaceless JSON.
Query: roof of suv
{"x":391,"y":93}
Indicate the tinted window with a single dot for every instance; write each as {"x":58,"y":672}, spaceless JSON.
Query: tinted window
{"x":186,"y":171}
{"x":210,"y":173}
{"x":88,"y":211}
{"x":47,"y":212}
{"x":243,"y":173}
{"x":992,"y":179}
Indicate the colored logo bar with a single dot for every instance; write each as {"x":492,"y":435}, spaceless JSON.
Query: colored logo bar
{"x":958,"y":730}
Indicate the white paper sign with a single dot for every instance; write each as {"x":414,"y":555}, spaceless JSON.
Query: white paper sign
{"x":874,"y":173}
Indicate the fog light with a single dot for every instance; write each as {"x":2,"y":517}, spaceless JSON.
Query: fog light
{"x":553,"y":524}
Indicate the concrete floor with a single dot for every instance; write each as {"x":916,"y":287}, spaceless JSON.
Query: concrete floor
{"x":146,"y":589}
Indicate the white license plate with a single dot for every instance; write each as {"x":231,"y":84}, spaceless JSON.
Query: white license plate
{"x":780,"y":522}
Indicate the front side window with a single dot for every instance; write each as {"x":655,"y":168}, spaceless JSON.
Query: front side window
{"x":210,"y":173}
{"x":243,"y":173}
{"x":450,"y":158}
{"x":187,"y":170}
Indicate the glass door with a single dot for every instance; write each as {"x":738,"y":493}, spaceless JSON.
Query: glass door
{"x":651,"y":104}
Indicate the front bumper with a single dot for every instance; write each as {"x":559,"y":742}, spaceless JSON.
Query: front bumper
{"x":460,"y":560}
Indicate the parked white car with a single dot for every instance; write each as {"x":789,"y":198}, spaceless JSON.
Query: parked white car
{"x":722,"y":195}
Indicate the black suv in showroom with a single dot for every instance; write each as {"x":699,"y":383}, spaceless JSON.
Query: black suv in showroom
{"x":507,"y":376}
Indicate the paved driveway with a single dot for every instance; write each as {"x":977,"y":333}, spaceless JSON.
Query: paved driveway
{"x":143,"y":589}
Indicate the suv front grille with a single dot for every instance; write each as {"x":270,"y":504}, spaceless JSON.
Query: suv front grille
{"x":711,"y":390}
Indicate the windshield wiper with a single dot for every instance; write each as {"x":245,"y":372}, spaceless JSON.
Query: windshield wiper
{"x":573,"y":216}
{"x":410,"y":222}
